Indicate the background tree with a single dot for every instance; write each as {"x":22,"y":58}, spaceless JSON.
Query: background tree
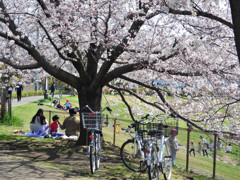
{"x":92,"y":44}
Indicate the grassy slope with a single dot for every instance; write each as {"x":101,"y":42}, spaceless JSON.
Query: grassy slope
{"x":25,"y":113}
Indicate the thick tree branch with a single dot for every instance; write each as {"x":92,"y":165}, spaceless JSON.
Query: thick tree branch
{"x":117,"y":72}
{"x":44,"y":8}
{"x":12,"y":26}
{"x":203,"y":14}
{"x":17,"y":66}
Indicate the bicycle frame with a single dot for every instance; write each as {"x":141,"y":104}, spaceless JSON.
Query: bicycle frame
{"x":140,"y":146}
{"x":93,"y":122}
{"x":161,"y":153}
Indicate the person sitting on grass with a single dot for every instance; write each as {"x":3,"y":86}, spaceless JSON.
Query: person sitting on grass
{"x":71,"y":124}
{"x":55,"y":126}
{"x":57,"y":104}
{"x":68,"y":104}
{"x":228,"y":148}
{"x":39,"y":124}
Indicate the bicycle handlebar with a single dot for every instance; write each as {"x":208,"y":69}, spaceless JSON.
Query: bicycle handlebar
{"x":84,"y":108}
{"x":162,"y":119}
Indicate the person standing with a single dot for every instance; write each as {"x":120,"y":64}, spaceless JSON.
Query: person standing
{"x":204,"y":143}
{"x":71,"y":124}
{"x":173,"y":144}
{"x":192,"y":148}
{"x":19,"y":89}
{"x":219,"y":143}
{"x":53,"y":88}
{"x":10,"y":90}
{"x":199,"y":148}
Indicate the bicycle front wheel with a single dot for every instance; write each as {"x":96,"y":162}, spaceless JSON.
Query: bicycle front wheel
{"x":98,"y":151}
{"x":93,"y":154}
{"x":152,"y":168}
{"x":167,"y":163}
{"x":131,"y":156}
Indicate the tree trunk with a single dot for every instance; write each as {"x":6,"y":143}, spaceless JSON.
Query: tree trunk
{"x":4,"y":102}
{"x":235,"y":9}
{"x":92,"y":98}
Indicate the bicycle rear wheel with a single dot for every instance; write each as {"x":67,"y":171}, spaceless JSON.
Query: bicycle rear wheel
{"x":167,"y":163}
{"x":131,"y":156}
{"x":152,"y":168}
{"x":93,"y":155}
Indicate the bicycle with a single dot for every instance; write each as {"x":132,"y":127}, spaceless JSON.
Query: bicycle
{"x":159,"y":160}
{"x":93,"y":123}
{"x":132,"y":152}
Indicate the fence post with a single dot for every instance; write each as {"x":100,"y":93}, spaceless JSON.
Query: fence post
{"x":49,"y":120}
{"x":215,"y":155}
{"x":188,"y":138}
{"x":114,"y":132}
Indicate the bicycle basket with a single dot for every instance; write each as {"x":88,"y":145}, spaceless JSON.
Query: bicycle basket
{"x":92,"y":120}
{"x":141,"y":130}
{"x":148,"y":131}
{"x":171,"y":123}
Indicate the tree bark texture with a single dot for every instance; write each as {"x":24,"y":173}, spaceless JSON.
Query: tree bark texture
{"x":235,"y":9}
{"x":92,"y":98}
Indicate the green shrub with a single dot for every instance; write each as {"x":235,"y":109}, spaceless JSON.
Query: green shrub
{"x":14,"y":121}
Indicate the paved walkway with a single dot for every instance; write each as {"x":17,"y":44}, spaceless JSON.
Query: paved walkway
{"x":29,"y":99}
{"x":26,"y":100}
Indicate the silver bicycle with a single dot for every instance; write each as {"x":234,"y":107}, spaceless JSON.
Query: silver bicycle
{"x":93,"y":121}
{"x":159,"y":157}
{"x":133,"y":151}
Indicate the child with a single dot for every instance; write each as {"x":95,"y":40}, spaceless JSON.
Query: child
{"x":68,"y":104}
{"x":55,"y":126}
{"x":199,"y":147}
{"x":192,"y":148}
{"x":173,"y":144}
{"x":228,"y":149}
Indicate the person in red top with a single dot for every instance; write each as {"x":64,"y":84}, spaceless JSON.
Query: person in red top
{"x":55,"y":125}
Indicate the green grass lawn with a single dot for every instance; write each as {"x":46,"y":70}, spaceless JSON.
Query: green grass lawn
{"x":202,"y":164}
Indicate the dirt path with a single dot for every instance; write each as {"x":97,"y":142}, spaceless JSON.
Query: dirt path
{"x":48,"y":158}
{"x":16,"y":168}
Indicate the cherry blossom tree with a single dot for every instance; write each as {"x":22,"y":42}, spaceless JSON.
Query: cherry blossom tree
{"x":125,"y":44}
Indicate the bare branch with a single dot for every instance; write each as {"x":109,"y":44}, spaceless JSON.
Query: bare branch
{"x":124,"y":100}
